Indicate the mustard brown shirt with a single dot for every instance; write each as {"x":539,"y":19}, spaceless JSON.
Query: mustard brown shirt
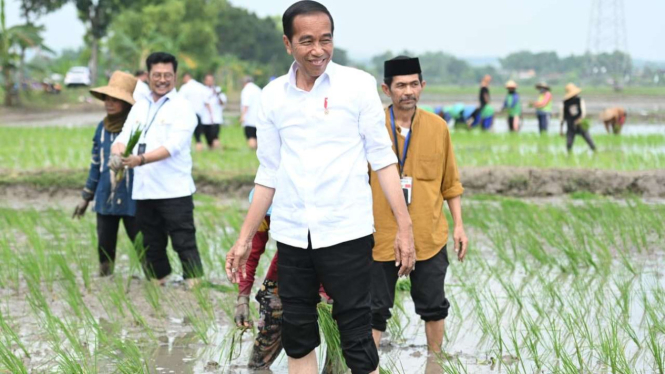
{"x":431,"y":163}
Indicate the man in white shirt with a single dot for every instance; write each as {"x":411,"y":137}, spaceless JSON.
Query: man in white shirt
{"x":318,"y":127}
{"x":250,"y":100}
{"x":142,"y":89}
{"x":213,"y":116}
{"x":162,"y":163}
{"x":197,"y":96}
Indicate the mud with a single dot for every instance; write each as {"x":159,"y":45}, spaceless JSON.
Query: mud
{"x":525,"y":182}
{"x":505,"y":181}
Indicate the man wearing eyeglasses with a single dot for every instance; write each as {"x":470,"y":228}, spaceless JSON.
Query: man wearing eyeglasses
{"x":163,"y":184}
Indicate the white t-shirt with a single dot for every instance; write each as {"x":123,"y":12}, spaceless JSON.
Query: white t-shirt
{"x":196,"y":94}
{"x":250,"y":97}
{"x":213,"y":99}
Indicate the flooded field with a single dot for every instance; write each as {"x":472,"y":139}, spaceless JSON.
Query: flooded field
{"x":568,"y":285}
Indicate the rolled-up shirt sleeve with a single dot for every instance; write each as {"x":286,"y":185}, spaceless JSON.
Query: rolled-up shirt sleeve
{"x":269,"y":145}
{"x":451,"y":185}
{"x":181,"y":132}
{"x":378,"y":146}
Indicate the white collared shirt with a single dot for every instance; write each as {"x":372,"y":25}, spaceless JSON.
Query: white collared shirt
{"x":313,"y":149}
{"x":141,"y":91}
{"x":214,"y":116}
{"x":196,"y":94}
{"x":250,"y":97}
{"x":173,"y":125}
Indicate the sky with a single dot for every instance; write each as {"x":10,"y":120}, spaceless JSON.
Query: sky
{"x":465,"y":28}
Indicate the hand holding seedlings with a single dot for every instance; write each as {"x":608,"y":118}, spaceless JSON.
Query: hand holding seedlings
{"x":115,"y":162}
{"x":241,"y":317}
{"x":132,"y":161}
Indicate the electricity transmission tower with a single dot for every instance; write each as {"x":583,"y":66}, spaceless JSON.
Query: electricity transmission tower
{"x":607,"y":44}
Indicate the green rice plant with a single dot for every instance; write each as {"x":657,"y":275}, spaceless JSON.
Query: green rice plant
{"x":10,"y":361}
{"x":612,"y":350}
{"x":152,"y":293}
{"x":200,"y":324}
{"x":129,"y":357}
{"x":399,"y":321}
{"x":656,"y":348}
{"x":10,"y":336}
{"x":330,"y":332}
{"x":454,"y":367}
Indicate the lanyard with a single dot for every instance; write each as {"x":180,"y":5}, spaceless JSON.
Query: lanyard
{"x":406,"y":142}
{"x":149,"y":125}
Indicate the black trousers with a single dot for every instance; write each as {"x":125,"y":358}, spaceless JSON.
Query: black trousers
{"x":107,"y":234}
{"x":427,"y":289}
{"x":574,"y":130}
{"x":344,"y":271}
{"x":159,"y":219}
{"x":211,"y":133}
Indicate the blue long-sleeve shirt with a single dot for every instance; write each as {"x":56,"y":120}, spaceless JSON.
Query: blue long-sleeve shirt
{"x":98,"y":185}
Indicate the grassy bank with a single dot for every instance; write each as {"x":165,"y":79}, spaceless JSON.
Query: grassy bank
{"x":66,"y":152}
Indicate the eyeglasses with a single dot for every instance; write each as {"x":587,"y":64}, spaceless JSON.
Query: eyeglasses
{"x":160,"y":76}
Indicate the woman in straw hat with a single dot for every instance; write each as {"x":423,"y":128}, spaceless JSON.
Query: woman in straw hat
{"x":573,"y":113}
{"x":113,"y":203}
{"x":513,"y":105}
{"x":543,"y":106}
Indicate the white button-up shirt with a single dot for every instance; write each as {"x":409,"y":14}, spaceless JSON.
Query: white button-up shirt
{"x":172,"y":128}
{"x":313,"y":149}
{"x":197,"y":95}
{"x":250,"y":97}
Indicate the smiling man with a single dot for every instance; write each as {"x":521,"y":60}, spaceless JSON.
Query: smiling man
{"x":427,"y":166}
{"x":318,"y":127}
{"x":163,"y":184}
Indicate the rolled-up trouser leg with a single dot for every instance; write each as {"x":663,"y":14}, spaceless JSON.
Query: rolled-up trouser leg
{"x":299,"y":293}
{"x":268,"y":342}
{"x":344,"y":272}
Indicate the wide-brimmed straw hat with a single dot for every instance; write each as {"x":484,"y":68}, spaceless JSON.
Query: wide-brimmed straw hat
{"x":511,"y":84}
{"x":542,"y":85}
{"x":571,"y":91}
{"x":121,"y":86}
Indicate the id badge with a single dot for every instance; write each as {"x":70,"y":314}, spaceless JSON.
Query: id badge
{"x":407,"y":188}
{"x":141,"y":149}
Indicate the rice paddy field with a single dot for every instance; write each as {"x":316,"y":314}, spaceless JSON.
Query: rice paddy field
{"x":567,"y":284}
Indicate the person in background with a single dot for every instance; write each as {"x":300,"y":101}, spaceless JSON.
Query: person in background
{"x":142,"y":90}
{"x":213,"y":115}
{"x":573,"y":113}
{"x":250,"y":100}
{"x":427,"y":166}
{"x":513,"y":106}
{"x":197,"y":96}
{"x":543,"y":107}
{"x":484,"y":101}
{"x":162,"y":163}
{"x":113,"y":203}
{"x":268,"y":341}
{"x":614,"y":118}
